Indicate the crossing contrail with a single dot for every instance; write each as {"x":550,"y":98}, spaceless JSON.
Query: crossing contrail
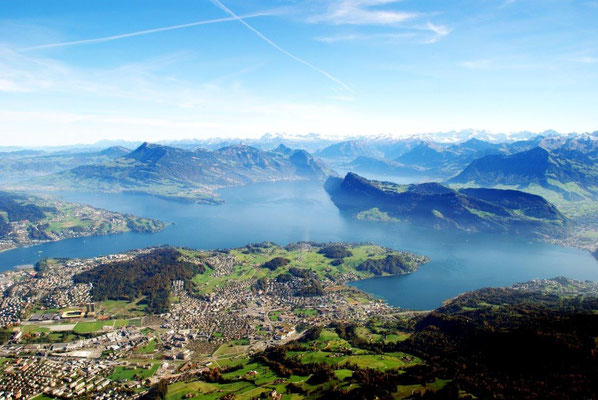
{"x":144,"y":32}
{"x":218,"y":4}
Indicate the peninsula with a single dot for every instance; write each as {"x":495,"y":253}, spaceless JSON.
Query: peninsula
{"x":26,"y":220}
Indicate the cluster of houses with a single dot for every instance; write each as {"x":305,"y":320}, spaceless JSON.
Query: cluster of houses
{"x":73,"y":378}
{"x":10,"y":311}
{"x":19,"y":289}
{"x":238,"y":310}
{"x":16,"y":236}
{"x":69,"y":295}
{"x":214,"y":319}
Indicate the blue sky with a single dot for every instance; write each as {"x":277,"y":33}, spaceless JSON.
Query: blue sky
{"x":80,"y":71}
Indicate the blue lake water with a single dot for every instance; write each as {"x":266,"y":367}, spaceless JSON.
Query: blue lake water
{"x":289,"y":212}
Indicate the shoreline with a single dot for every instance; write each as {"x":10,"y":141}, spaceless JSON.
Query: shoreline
{"x":210,"y":196}
{"x":565,"y":243}
{"x":28,"y":245}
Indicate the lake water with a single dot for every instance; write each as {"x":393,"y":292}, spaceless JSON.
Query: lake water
{"x":289,"y":212}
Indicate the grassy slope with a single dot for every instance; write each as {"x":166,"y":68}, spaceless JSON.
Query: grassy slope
{"x":248,"y":266}
{"x":326,"y":348}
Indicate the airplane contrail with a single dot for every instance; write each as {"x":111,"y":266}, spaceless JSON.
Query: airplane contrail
{"x":144,"y":32}
{"x":218,"y":4}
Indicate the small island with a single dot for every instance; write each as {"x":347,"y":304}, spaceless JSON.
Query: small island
{"x":27,"y":220}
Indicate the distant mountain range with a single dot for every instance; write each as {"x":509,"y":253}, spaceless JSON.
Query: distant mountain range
{"x":416,"y":157}
{"x":192,"y":175}
{"x":384,"y":167}
{"x":432,"y":204}
{"x":561,"y":168}
{"x":566,"y":171}
{"x":564,"y":165}
{"x":310,"y":142}
{"x":440,"y":155}
{"x":24,"y":164}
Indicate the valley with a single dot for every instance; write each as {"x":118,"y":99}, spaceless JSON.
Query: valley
{"x":17,"y":166}
{"x":561,"y":169}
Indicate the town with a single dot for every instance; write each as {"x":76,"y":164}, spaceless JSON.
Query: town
{"x":62,"y":342}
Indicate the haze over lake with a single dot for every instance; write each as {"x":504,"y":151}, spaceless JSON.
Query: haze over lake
{"x":294,"y":211}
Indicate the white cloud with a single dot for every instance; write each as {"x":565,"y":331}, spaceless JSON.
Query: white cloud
{"x":382,"y":14}
{"x":342,"y":98}
{"x":587,"y":60}
{"x":26,"y":74}
{"x":385,"y":37}
{"x":439,"y":31}
{"x":7,"y":85}
{"x":141,"y":102}
{"x":507,"y":3}
{"x":363,"y":12}
{"x":418,"y":34}
{"x":477,"y":64}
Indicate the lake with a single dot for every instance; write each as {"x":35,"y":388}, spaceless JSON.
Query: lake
{"x":294,"y":211}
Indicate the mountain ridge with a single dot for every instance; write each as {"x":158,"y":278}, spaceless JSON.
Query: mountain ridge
{"x":438,"y":206}
{"x":537,"y":166}
{"x":184,"y":174}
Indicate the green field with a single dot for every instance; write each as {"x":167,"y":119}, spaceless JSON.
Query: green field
{"x":34,"y":328}
{"x":149,"y":348}
{"x":208,"y":391}
{"x":121,"y":308}
{"x":91,"y":327}
{"x":134,"y":372}
{"x":248,"y":265}
{"x":229,"y":349}
{"x":274,"y":315}
{"x":305,"y":312}
{"x":249,"y":377}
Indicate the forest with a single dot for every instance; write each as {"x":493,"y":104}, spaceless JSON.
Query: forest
{"x":148,"y":275}
{"x":17,"y":211}
{"x":506,"y":343}
{"x":335,"y":250}
{"x":392,"y":264}
{"x":275,"y":263}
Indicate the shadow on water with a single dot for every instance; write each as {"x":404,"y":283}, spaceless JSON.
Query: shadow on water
{"x":292,"y":211}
